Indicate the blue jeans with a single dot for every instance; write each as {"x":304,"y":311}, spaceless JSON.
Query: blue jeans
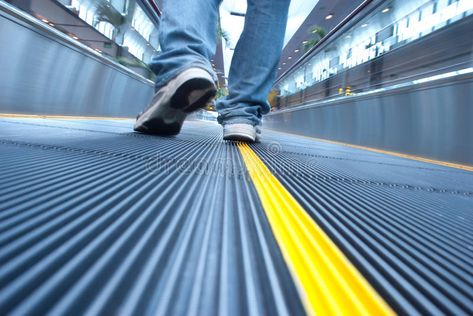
{"x":188,"y":39}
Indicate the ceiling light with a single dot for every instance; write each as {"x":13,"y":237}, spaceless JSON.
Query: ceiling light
{"x":279,"y":68}
{"x":348,"y":36}
{"x":289,"y":57}
{"x":45,"y":20}
{"x":328,"y":17}
{"x":305,"y":42}
{"x":98,"y":50}
{"x":296,"y":51}
{"x":386,"y":10}
{"x":365,"y":25}
{"x":52,"y":24}
{"x":75,"y":37}
{"x":283,"y":64}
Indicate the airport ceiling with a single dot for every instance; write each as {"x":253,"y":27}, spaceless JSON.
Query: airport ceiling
{"x":327,"y":14}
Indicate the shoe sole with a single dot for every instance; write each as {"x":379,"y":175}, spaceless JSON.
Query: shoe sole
{"x":166,"y":118}
{"x":242,"y":133}
{"x":239,"y":137}
{"x":193,"y":95}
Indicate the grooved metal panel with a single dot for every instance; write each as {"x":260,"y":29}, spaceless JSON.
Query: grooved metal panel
{"x":406,"y":225}
{"x":95,"y":219}
{"x":64,"y":77}
{"x":431,"y":119}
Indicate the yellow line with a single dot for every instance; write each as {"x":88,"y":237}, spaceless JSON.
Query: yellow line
{"x":72,"y":117}
{"x":386,"y":152}
{"x":328,"y":283}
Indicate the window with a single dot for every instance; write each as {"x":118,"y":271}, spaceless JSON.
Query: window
{"x":134,"y":46}
{"x":142,"y":24}
{"x":105,"y":28}
{"x":376,"y":35}
{"x":87,"y":13}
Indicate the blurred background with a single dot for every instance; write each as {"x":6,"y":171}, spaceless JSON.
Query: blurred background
{"x":385,"y":73}
{"x":365,"y":164}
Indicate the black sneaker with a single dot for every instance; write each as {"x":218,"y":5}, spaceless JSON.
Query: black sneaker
{"x":187,"y":92}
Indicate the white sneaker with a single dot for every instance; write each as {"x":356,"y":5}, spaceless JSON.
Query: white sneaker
{"x":187,"y":92}
{"x":242,"y":132}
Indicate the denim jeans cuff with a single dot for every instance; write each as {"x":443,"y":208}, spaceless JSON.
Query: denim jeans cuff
{"x":163,"y":80}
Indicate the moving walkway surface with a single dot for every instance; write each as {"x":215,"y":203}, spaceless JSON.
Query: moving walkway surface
{"x":95,"y":218}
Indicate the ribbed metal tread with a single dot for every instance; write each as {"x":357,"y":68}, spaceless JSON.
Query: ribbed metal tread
{"x":406,"y":225}
{"x":96,"y":219}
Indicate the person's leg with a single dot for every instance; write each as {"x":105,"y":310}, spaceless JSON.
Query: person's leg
{"x":187,"y":36}
{"x":185,"y":79}
{"x":254,"y":63}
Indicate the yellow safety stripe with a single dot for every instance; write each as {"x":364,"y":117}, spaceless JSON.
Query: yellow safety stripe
{"x":327,"y":281}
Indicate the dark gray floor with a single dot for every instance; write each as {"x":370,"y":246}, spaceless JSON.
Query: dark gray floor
{"x":96,"y":218}
{"x":406,"y":225}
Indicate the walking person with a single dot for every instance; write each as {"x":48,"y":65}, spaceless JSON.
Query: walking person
{"x":186,"y":80}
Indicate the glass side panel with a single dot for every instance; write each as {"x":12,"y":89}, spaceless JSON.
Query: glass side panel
{"x":395,"y":24}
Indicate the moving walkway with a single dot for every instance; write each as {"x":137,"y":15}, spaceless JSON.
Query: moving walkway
{"x":97,"y":219}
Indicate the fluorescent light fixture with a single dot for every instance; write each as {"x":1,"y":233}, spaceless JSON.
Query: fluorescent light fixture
{"x":296,"y":51}
{"x":465,"y":71}
{"x":45,"y":20}
{"x":328,"y":17}
{"x":386,"y":10}
{"x":75,"y":37}
{"x":445,"y":75}
{"x":98,"y":50}
{"x":283,"y":64}
{"x":364,"y":25}
{"x":289,"y":57}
